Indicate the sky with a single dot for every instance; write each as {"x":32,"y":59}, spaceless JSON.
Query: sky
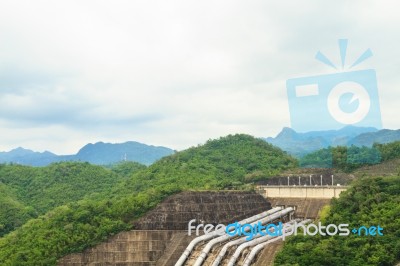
{"x":176,"y":73}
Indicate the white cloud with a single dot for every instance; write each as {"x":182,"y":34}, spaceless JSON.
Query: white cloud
{"x":174,"y":73}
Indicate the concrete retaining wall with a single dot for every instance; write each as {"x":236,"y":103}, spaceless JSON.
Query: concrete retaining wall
{"x":210,"y":207}
{"x":327,"y":192}
{"x":162,"y":234}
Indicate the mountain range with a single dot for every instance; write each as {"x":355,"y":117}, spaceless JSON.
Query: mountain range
{"x":295,"y":143}
{"x":299,"y":144}
{"x":99,"y":153}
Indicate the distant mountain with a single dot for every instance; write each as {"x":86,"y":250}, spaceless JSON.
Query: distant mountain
{"x":99,"y":153}
{"x":106,"y":153}
{"x":28,"y":157}
{"x":382,"y":136}
{"x":299,"y":144}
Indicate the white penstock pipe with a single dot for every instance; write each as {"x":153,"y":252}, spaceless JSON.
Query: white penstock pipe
{"x":251,"y":243}
{"x":236,"y":242}
{"x":259,"y":247}
{"x":208,"y":247}
{"x":213,"y":234}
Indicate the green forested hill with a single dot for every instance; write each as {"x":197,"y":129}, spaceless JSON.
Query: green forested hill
{"x":225,"y":162}
{"x":13,"y":213}
{"x":371,"y":201}
{"x":73,"y":227}
{"x":27,"y":192}
{"x":351,"y":158}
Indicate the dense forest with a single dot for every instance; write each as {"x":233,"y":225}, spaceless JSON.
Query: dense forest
{"x":27,"y":192}
{"x":227,"y":162}
{"x":371,"y":201}
{"x":350,"y":158}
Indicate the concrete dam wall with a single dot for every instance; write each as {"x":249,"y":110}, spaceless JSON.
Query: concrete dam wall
{"x":209,"y":207}
{"x":161,"y":236}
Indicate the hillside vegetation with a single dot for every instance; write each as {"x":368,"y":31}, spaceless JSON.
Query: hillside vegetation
{"x":350,"y":158}
{"x":26,"y":192}
{"x":226,"y":162}
{"x":13,"y":213}
{"x":371,"y":201}
{"x":75,"y":226}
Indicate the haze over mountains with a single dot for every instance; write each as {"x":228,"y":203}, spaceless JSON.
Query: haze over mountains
{"x":296,"y":144}
{"x":99,"y":153}
{"x":299,"y":144}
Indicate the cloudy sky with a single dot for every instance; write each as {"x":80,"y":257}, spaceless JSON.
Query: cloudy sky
{"x":175,"y":73}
